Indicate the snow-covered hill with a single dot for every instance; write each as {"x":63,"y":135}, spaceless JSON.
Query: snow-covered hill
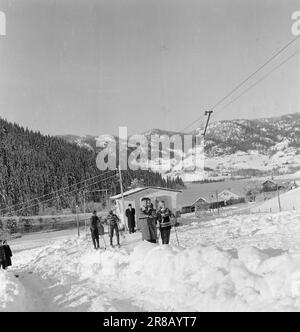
{"x":237,"y":148}
{"x":288,"y":201}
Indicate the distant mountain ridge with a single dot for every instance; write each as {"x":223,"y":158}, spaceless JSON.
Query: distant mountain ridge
{"x":230,"y":136}
{"x":239,"y":147}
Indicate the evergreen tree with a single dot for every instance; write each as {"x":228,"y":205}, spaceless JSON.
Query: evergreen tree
{"x":33,"y":167}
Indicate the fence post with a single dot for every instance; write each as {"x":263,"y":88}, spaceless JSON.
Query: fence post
{"x":278,"y":195}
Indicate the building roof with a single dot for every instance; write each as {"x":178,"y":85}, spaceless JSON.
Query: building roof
{"x":227,"y":192}
{"x":137,"y":190}
{"x":269,"y":181}
{"x":200,"y":197}
{"x":211,"y":199}
{"x":194,"y":192}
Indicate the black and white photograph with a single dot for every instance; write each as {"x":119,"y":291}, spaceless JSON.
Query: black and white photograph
{"x":150,"y":158}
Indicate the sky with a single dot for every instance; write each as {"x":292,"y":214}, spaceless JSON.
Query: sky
{"x":90,"y":66}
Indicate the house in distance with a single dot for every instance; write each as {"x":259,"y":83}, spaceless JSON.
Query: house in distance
{"x":270,"y":185}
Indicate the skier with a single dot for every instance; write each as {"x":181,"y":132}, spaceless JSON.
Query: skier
{"x":113,"y":221}
{"x":130,"y":214}
{"x":164,"y":222}
{"x":148,"y":221}
{"x":94,"y":229}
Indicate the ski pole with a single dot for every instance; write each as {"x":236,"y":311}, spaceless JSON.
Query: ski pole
{"x":176,"y":232}
{"x":159,"y":235}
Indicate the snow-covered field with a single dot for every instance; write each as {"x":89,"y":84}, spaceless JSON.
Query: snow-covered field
{"x":246,"y":262}
{"x":288,"y":201}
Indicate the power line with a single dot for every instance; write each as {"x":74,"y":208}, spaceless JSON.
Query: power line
{"x":259,"y":81}
{"x":62,"y":195}
{"x":68,"y":193}
{"x":245,"y":80}
{"x":57,"y":191}
{"x":256,"y":71}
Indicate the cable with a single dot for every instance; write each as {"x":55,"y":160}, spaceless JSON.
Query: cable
{"x":259,"y":81}
{"x":256,"y":71}
{"x":62,"y":195}
{"x":54,"y":192}
{"x":247,"y":79}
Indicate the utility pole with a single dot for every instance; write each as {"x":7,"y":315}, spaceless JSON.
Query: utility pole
{"x":84,"y":212}
{"x":122,"y":194}
{"x":78,"y":232}
{"x":209,"y":113}
{"x":217,"y":195}
{"x":106,"y":199}
{"x":278,"y":196}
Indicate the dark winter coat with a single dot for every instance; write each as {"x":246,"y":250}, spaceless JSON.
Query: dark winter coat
{"x":94,"y":223}
{"x":2,"y":254}
{"x":130,"y":214}
{"x":8,"y":254}
{"x":147,"y":224}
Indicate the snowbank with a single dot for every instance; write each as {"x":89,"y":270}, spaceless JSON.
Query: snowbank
{"x":238,"y":263}
{"x":169,"y":278}
{"x":12,"y":293}
{"x":200,"y":278}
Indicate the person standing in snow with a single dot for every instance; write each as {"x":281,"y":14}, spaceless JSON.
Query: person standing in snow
{"x":113,"y":220}
{"x":8,"y":254}
{"x":94,"y":229}
{"x":164,"y":222}
{"x":130,"y":214}
{"x":3,"y":259}
{"x":148,"y":221}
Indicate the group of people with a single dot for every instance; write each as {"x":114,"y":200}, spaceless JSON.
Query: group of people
{"x":97,"y":229}
{"x":5,"y":255}
{"x":151,"y":220}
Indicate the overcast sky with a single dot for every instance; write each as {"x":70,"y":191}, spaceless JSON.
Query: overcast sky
{"x":90,"y":66}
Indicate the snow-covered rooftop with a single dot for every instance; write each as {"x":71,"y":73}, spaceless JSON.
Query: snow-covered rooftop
{"x":137,"y":190}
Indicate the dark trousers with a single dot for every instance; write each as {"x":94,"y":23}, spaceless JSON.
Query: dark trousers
{"x":131,"y":228}
{"x":95,"y":238}
{"x":165,"y":235}
{"x":114,"y":228}
{"x":152,"y":241}
{"x":3,"y":265}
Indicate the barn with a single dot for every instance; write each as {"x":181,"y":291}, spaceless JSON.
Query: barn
{"x":269,"y":185}
{"x":205,"y":202}
{"x":230,"y":197}
{"x":135,"y":197}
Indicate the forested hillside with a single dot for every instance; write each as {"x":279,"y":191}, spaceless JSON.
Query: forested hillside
{"x":33,"y":167}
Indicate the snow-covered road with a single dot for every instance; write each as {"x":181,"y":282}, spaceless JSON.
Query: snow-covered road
{"x":248,"y":262}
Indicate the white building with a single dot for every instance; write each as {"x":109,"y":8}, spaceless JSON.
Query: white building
{"x":135,"y":197}
{"x":227,"y":195}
